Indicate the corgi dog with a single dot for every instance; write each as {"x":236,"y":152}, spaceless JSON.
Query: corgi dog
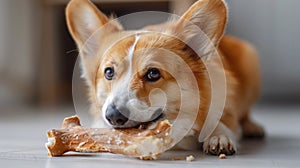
{"x":121,"y":80}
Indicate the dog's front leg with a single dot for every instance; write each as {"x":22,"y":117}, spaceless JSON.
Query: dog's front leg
{"x":221,"y":141}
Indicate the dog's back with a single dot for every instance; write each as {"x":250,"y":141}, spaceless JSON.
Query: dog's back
{"x":240,"y":58}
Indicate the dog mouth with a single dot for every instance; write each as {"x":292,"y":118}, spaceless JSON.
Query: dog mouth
{"x":144,"y":125}
{"x":157,"y":116}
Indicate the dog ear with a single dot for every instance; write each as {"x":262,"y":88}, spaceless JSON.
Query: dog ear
{"x":85,"y":23}
{"x":208,"y":15}
{"x":84,"y":19}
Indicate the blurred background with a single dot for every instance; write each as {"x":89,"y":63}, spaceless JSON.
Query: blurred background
{"x":37,"y":54}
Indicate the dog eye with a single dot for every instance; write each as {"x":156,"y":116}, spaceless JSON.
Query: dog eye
{"x":109,"y":73}
{"x":153,"y":75}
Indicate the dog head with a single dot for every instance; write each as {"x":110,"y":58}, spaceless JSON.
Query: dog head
{"x":133,"y":75}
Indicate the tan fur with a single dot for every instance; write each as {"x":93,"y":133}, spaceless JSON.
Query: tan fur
{"x":239,"y":59}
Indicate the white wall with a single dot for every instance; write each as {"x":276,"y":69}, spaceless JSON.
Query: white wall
{"x":274,"y":27}
{"x":3,"y":28}
{"x":17,"y":49}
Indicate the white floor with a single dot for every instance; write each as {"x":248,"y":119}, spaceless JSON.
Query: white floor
{"x":23,"y":136}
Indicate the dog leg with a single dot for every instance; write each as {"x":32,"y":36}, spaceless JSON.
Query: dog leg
{"x":251,"y":129}
{"x":222,"y":141}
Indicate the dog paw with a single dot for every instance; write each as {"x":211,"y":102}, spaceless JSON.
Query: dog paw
{"x":220,"y":144}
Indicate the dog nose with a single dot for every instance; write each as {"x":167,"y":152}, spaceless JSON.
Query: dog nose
{"x":114,"y":116}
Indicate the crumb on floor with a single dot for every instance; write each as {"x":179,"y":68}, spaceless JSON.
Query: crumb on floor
{"x":190,"y":158}
{"x":222,"y":156}
{"x":178,"y":158}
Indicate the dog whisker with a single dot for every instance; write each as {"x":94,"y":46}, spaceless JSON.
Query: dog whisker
{"x":70,"y":51}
